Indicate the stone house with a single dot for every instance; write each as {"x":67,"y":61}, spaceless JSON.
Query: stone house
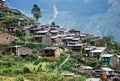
{"x":52,"y":51}
{"x":6,"y":38}
{"x":75,"y":47}
{"x":22,"y":22}
{"x":85,"y":69}
{"x":43,"y":39}
{"x":30,"y":29}
{"x":61,"y":31}
{"x":54,"y":32}
{"x":20,"y":50}
{"x":56,"y":40}
{"x":67,"y":40}
{"x":74,"y":31}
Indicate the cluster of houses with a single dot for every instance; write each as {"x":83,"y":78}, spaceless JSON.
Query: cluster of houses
{"x":54,"y":35}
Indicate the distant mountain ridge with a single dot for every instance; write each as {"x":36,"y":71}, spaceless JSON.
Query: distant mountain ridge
{"x":105,"y":24}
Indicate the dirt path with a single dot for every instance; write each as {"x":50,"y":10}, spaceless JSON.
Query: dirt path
{"x":68,"y":56}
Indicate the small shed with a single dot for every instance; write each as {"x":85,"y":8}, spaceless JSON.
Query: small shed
{"x":6,"y":38}
{"x":52,"y":51}
{"x":20,"y":50}
{"x":85,"y":69}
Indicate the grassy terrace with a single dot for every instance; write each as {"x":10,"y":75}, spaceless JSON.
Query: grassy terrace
{"x":31,"y":68}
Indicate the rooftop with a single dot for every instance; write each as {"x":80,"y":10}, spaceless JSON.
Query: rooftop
{"x":77,"y":44}
{"x":42,"y":31}
{"x":50,"y":48}
{"x":86,"y":67}
{"x":107,"y":69}
{"x":16,"y":46}
{"x":54,"y":31}
{"x":106,"y":55}
{"x":68,"y":37}
{"x":96,"y":51}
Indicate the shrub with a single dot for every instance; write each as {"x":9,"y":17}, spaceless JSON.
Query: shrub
{"x":26,"y":70}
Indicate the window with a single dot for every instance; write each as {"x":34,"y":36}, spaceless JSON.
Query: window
{"x":7,"y":38}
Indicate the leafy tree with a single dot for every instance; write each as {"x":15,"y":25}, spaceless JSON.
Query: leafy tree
{"x":53,"y":23}
{"x":92,"y":42}
{"x":36,"y":11}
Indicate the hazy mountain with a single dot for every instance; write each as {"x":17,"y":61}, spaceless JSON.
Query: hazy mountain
{"x":107,"y":23}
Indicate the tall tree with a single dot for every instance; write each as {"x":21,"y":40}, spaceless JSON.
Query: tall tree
{"x":36,"y":11}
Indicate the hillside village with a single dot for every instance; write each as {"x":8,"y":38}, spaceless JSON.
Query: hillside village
{"x":26,"y":38}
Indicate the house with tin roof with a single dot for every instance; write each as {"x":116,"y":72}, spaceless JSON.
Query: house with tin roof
{"x":110,"y":59}
{"x":98,"y":51}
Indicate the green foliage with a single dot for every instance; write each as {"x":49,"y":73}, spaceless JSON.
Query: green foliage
{"x":93,"y":62}
{"x":26,"y":70}
{"x":19,"y":78}
{"x":56,"y":77}
{"x":62,"y":47}
{"x":36,"y":11}
{"x":104,"y":41}
{"x":36,"y":62}
{"x":17,"y":71}
{"x":92,"y":42}
{"x":53,"y":23}
{"x":6,"y":71}
{"x":2,"y":14}
{"x":19,"y":33}
{"x":68,"y":66}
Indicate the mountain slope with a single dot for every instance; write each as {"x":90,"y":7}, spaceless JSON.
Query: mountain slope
{"x":104,"y":24}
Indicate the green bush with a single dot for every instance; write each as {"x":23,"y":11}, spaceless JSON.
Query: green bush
{"x":26,"y":70}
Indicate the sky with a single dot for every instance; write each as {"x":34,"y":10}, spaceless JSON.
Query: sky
{"x":69,"y":8}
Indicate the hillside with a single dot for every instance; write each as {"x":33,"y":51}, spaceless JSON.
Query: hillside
{"x":13,"y":17}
